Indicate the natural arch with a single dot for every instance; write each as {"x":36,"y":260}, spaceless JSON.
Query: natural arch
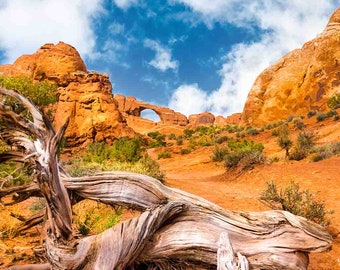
{"x":150,"y":115}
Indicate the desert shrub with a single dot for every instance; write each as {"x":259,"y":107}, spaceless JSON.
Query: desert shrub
{"x":283,"y":138}
{"x":297,"y":201}
{"x":334,"y":102}
{"x":325,"y":151}
{"x":13,"y":174}
{"x":165,"y":154}
{"x":310,"y":114}
{"x":185,"y":151}
{"x":252,"y":131}
{"x":40,"y":93}
{"x":332,"y":113}
{"x":221,"y":139}
{"x":96,"y":219}
{"x":98,"y":152}
{"x":204,"y":141}
{"x":304,"y":144}
{"x":250,"y":159}
{"x":158,"y":140}
{"x":219,"y":153}
{"x":240,"y":135}
{"x":188,"y":133}
{"x":246,"y":154}
{"x":127,"y":150}
{"x":306,"y":140}
{"x":298,"y":153}
{"x":321,"y":116}
{"x":172,"y":136}
{"x":38,"y":205}
{"x":145,"y":165}
{"x":336,"y":117}
{"x":298,"y":124}
{"x":179,"y":141}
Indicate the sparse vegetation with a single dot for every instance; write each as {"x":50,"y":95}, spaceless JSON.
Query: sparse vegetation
{"x":283,"y":138}
{"x":165,"y":154}
{"x":185,"y":151}
{"x":304,"y":144}
{"x":297,"y":201}
{"x":334,"y":102}
{"x":94,"y":219}
{"x":239,"y":154}
{"x":40,"y":93}
{"x":158,"y":139}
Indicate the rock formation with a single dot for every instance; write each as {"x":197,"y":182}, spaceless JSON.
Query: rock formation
{"x":84,"y":96}
{"x":301,"y":81}
{"x":132,"y":108}
{"x":205,"y":118}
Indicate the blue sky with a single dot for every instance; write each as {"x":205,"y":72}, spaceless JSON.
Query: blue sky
{"x":189,"y":55}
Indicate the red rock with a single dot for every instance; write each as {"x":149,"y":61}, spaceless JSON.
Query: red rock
{"x":200,"y":119}
{"x":301,"y":81}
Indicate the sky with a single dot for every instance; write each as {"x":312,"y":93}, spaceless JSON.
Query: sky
{"x":189,"y":55}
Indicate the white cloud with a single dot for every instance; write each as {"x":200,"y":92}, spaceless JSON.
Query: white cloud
{"x":116,"y":28}
{"x":286,"y":25}
{"x":162,"y":60}
{"x":189,"y":99}
{"x":26,"y":25}
{"x":125,"y":4}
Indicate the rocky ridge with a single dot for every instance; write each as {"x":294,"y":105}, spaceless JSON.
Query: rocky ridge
{"x":301,"y":81}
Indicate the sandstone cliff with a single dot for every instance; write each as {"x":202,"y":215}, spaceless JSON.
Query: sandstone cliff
{"x":301,"y":81}
{"x":84,"y":96}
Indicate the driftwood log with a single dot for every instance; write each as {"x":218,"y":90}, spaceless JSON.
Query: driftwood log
{"x":175,"y":229}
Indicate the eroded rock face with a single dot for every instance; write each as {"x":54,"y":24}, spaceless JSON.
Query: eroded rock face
{"x":200,"y":119}
{"x":301,"y":81}
{"x":94,"y":113}
{"x":85,"y":97}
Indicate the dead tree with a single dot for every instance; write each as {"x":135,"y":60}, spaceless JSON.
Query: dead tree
{"x":175,"y":229}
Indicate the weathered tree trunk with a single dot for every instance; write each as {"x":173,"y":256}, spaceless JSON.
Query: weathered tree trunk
{"x":176,"y":228}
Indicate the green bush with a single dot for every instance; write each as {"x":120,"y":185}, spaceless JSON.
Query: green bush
{"x":304,"y":145}
{"x":325,"y":151}
{"x":40,"y":93}
{"x":13,"y":174}
{"x":172,"y":136}
{"x":127,"y":150}
{"x":297,"y":201}
{"x":244,"y":155}
{"x":97,"y":219}
{"x":252,"y":131}
{"x":221,"y":139}
{"x":334,"y":102}
{"x":158,"y":139}
{"x":321,"y":116}
{"x":311,"y":114}
{"x":98,"y":152}
{"x":185,"y":151}
{"x":219,"y":153}
{"x":165,"y":154}
{"x":299,"y":124}
{"x":124,"y":150}
{"x":283,"y":138}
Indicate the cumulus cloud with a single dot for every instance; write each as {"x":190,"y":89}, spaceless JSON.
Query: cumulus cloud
{"x":284,"y":26}
{"x":189,"y":99}
{"x":162,"y":60}
{"x":26,"y":25}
